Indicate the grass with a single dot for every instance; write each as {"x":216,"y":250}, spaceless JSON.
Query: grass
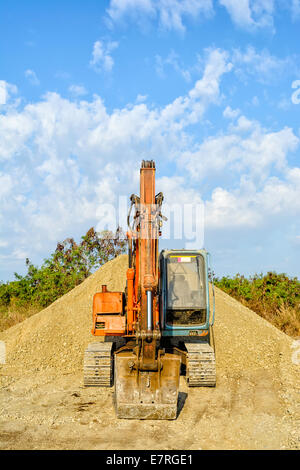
{"x":285,"y":318}
{"x":13,"y":314}
{"x":275,"y":297}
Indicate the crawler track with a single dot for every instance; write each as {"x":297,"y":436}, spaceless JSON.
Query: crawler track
{"x":98,"y":365}
{"x":201,"y":365}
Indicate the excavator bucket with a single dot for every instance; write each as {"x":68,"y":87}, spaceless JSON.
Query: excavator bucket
{"x":146,"y":394}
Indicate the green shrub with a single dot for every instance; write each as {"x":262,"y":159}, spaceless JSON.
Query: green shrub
{"x":68,"y":266}
{"x":275,"y":297}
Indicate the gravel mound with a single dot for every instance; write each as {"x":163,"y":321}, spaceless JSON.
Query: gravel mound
{"x":57,"y":336}
{"x":43,"y":404}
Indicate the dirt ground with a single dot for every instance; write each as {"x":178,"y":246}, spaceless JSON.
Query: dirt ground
{"x":43,"y":404}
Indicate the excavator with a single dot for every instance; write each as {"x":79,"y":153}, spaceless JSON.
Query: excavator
{"x":161,"y":327}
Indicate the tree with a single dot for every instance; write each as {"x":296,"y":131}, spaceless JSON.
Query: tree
{"x":67,"y":267}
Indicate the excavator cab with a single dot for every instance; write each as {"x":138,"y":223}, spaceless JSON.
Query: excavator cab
{"x":184,"y":292}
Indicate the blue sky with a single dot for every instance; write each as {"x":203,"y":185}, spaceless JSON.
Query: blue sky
{"x":207,"y":88}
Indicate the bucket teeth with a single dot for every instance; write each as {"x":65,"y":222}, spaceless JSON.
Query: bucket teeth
{"x":147,"y":411}
{"x":201,"y":365}
{"x":98,"y":365}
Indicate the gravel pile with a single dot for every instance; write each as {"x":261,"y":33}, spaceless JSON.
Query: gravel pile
{"x":57,"y":336}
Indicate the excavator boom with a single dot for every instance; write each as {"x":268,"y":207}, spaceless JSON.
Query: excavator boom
{"x":146,"y":377}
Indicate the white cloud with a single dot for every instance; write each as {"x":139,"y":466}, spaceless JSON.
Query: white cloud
{"x":230,"y":113}
{"x":228,"y":209}
{"x":260,"y":64}
{"x":171,"y":60}
{"x":62,"y":75}
{"x":250,"y":14}
{"x":247,"y":63}
{"x":101,"y":55}
{"x":62,"y":160}
{"x":19,"y":254}
{"x":190,"y":108}
{"x":295,"y":7}
{"x":281,"y":196}
{"x":6,"y":185}
{"x":3,"y":92}
{"x":244,"y":125}
{"x":247,"y":149}
{"x":141,"y":98}
{"x":6,"y":90}
{"x":284,"y":104}
{"x":252,"y":207}
{"x":170,"y":14}
{"x":256,"y":183}
{"x":15,"y":129}
{"x":240,"y":12}
{"x":32,"y":77}
{"x":77,"y":90}
{"x":217,"y":65}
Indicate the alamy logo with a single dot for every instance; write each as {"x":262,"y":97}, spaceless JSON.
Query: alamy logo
{"x":2,"y":352}
{"x":296,"y":94}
